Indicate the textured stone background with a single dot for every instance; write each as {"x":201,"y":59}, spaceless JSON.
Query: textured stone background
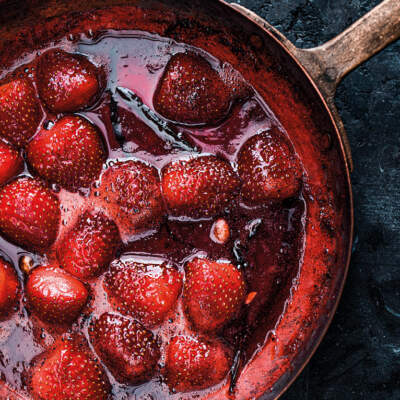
{"x":360,"y":356}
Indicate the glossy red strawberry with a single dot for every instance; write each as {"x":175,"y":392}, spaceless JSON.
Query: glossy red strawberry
{"x":20,"y":112}
{"x":191,"y":91}
{"x":11,"y":162}
{"x":130,"y":193}
{"x":129,"y":350}
{"x":67,"y":82}
{"x":213,"y":293}
{"x":68,"y":370}
{"x":9,"y":288}
{"x":269,"y":168}
{"x":70,"y":153}
{"x":90,"y":246}
{"x":29,"y":214}
{"x":55,"y":296}
{"x":145,"y":291}
{"x":194,"y":363}
{"x":199,"y":187}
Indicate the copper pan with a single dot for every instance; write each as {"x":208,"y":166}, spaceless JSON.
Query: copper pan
{"x":299,"y":85}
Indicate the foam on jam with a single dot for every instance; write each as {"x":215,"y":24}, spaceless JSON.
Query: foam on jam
{"x":266,"y":241}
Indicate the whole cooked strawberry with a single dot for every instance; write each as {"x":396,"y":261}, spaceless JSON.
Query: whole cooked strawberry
{"x":191,"y":91}
{"x":55,"y":296}
{"x":68,"y":370}
{"x":9,"y":288}
{"x":200,"y":187}
{"x":269,"y":168}
{"x":145,"y":291}
{"x":89,"y":247}
{"x":29,"y":214}
{"x":11,"y":162}
{"x":67,"y":82}
{"x":213,"y":293}
{"x":130,"y":193}
{"x":128,"y":349}
{"x":194,"y":363}
{"x":20,"y":112}
{"x":70,"y":153}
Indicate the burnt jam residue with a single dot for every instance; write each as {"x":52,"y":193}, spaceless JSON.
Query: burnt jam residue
{"x":265,"y":241}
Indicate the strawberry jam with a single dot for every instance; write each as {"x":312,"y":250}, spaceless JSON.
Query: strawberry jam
{"x":181,"y":223}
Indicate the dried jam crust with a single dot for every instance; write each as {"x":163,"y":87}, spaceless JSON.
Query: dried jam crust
{"x":264,"y":241}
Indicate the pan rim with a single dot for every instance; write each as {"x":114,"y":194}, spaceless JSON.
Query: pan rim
{"x":350,"y":203}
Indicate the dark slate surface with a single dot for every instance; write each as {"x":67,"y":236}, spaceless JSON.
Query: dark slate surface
{"x":360,"y":356}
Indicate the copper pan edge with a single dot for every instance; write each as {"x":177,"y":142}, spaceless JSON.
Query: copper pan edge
{"x":315,"y":65}
{"x":262,"y":24}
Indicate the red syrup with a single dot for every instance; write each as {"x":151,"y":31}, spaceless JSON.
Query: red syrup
{"x":265,"y":241}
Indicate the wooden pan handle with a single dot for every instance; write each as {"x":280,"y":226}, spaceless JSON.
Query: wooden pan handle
{"x":329,"y":63}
